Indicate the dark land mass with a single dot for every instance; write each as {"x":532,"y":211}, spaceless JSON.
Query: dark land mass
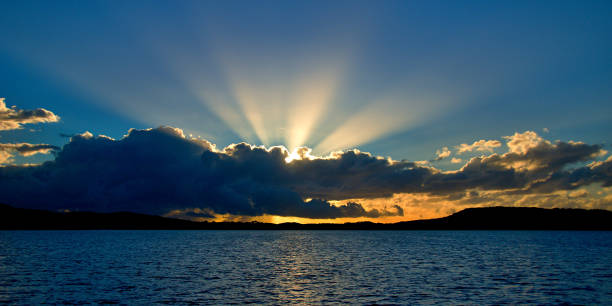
{"x":490,"y":218}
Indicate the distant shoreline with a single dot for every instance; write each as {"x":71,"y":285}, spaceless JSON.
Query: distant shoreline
{"x":489,"y":218}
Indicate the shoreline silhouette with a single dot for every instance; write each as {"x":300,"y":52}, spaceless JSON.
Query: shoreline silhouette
{"x":487,"y":218}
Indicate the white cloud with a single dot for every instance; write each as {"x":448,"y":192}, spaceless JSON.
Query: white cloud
{"x":522,"y":142}
{"x":480,"y":145}
{"x":443,"y":153}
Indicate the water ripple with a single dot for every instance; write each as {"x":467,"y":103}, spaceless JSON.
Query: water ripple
{"x":305,"y":267}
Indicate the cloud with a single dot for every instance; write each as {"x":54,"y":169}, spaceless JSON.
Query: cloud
{"x":578,"y":193}
{"x":597,"y":172}
{"x":533,"y":165}
{"x":442,"y":154}
{"x":456,"y":160}
{"x":522,"y":142}
{"x":8,"y":150}
{"x":161,"y":170}
{"x":480,"y":145}
{"x":12,"y":118}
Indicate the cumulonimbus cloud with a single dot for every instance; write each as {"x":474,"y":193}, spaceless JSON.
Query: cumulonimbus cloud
{"x":160,"y":170}
{"x":12,"y":118}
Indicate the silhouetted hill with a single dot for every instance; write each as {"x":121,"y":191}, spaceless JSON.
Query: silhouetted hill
{"x":20,"y":218}
{"x":525,"y":218}
{"x":497,"y":218}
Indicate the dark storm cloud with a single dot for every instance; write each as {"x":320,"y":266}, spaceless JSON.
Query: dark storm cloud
{"x":352,"y":174}
{"x":160,"y":170}
{"x":12,"y":118}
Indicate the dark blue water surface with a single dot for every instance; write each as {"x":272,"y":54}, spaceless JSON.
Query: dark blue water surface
{"x":314,"y":267}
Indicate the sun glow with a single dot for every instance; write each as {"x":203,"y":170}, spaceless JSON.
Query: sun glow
{"x":294,"y":98}
{"x":313,"y":96}
{"x":283,"y":105}
{"x":299,"y":153}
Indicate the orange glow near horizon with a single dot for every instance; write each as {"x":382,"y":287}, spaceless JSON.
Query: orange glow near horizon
{"x":283,"y":219}
{"x":425,"y":206}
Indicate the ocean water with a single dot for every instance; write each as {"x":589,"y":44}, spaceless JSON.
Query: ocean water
{"x":312,"y":267}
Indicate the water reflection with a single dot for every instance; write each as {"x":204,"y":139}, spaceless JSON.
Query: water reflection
{"x":313,"y":267}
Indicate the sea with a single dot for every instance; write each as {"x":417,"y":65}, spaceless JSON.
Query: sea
{"x":305,"y":267}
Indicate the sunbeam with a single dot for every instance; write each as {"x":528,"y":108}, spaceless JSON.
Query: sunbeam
{"x":312,"y":97}
{"x":226,"y":110}
{"x":389,"y":119}
{"x":381,"y":118}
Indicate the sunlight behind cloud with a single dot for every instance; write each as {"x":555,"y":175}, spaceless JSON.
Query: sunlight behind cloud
{"x":311,"y":99}
{"x":283,"y":99}
{"x":269,"y":99}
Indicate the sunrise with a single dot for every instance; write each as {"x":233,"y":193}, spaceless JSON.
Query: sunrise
{"x":306,"y":127}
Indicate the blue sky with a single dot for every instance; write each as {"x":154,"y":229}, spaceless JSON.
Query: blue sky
{"x":403,"y":79}
{"x":452,"y":72}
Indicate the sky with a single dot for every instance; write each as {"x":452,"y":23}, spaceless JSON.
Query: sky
{"x":314,"y":111}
